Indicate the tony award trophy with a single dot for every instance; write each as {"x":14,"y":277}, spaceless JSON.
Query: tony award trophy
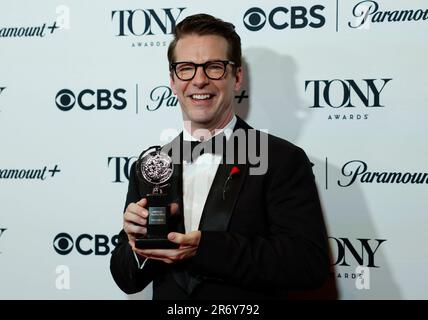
{"x":155,"y":169}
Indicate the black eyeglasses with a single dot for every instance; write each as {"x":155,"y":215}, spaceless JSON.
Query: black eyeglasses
{"x":214,"y":70}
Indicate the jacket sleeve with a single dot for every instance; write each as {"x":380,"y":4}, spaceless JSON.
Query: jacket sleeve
{"x":123,"y":266}
{"x":294,"y":252}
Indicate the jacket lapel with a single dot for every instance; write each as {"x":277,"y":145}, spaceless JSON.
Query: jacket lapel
{"x":222,"y":198}
{"x":224,"y":192}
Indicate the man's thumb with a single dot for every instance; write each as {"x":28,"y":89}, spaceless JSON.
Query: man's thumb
{"x":142,"y":202}
{"x":188,"y":239}
{"x":175,"y":237}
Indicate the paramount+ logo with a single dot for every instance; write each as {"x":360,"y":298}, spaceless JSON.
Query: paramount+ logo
{"x":85,"y":244}
{"x":369,"y":12}
{"x":89,"y":99}
{"x":280,"y":18}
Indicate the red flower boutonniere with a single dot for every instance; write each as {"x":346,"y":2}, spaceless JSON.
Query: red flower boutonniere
{"x":234,"y":171}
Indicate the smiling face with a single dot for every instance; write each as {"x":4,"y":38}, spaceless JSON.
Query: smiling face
{"x":206,"y":103}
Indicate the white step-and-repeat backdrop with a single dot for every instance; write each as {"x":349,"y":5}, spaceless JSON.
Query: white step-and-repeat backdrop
{"x":84,"y":88}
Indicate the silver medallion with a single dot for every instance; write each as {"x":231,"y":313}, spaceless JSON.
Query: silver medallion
{"x":156,"y":167}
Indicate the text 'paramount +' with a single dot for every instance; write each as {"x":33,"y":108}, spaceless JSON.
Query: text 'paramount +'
{"x":369,"y":12}
{"x":29,"y":174}
{"x":357,"y":170}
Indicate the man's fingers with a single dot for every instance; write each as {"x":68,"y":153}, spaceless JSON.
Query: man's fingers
{"x":137,"y":209}
{"x":135,"y":220}
{"x":133,"y":229}
{"x":130,"y":217}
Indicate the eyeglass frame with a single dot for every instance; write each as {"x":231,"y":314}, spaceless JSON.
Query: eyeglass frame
{"x":173,"y":66}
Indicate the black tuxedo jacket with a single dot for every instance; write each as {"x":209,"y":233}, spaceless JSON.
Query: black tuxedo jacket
{"x":264,"y":236}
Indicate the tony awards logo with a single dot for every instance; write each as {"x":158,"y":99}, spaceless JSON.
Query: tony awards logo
{"x":155,"y":170}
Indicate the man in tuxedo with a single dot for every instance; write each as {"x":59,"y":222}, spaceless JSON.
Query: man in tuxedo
{"x":245,"y":230}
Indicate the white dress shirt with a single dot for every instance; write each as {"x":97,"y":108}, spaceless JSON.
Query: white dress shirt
{"x":197,"y":179}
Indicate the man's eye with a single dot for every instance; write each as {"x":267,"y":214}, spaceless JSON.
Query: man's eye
{"x":185,"y":68}
{"x":215,"y":66}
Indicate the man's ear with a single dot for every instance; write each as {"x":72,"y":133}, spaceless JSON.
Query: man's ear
{"x":239,"y":78}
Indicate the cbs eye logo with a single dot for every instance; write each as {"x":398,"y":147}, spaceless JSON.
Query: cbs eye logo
{"x":63,"y":243}
{"x":87,"y":99}
{"x":85,"y":244}
{"x":254,"y":19}
{"x":280,"y":18}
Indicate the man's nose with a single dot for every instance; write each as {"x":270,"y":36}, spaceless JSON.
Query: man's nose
{"x":200,"y":78}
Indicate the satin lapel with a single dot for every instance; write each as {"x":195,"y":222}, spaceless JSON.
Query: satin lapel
{"x":222,"y":197}
{"x":218,"y":209}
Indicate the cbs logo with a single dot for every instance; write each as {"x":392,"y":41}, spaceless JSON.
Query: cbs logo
{"x":85,"y":244}
{"x":87,"y":99}
{"x":280,"y":18}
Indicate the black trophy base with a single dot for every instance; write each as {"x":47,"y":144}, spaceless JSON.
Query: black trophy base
{"x":146,"y":243}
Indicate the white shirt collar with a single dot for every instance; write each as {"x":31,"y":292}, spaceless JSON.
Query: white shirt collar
{"x":227,"y":129}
